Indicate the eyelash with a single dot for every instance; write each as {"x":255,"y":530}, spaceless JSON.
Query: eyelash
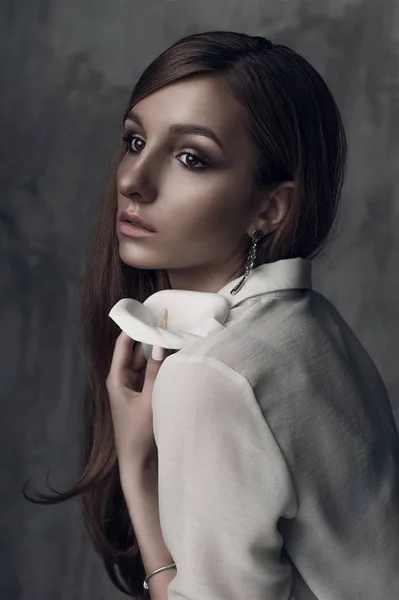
{"x":128,"y":139}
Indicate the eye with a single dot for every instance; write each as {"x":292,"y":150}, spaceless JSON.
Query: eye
{"x":197,"y":158}
{"x":128,"y":139}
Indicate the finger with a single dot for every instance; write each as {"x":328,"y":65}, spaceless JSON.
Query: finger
{"x":151,"y":373}
{"x":138,"y":360}
{"x":153,"y":365}
{"x":122,"y":357}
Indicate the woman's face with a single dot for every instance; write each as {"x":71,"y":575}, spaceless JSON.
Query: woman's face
{"x":193,"y":191}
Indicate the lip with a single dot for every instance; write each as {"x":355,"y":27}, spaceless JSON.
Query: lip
{"x":134,"y":231}
{"x":127,"y":216}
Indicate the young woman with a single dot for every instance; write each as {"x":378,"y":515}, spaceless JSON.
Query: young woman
{"x":260,"y":458}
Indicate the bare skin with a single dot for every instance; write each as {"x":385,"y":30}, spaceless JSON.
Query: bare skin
{"x":203,"y":216}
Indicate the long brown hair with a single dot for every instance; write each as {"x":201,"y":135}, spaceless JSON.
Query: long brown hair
{"x":296,"y":128}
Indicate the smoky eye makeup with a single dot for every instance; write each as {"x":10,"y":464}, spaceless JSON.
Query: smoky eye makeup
{"x":130,"y":138}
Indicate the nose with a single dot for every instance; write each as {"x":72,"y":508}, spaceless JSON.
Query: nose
{"x":136,"y":175}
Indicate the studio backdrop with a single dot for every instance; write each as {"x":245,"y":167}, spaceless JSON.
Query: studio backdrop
{"x":67,"y":69}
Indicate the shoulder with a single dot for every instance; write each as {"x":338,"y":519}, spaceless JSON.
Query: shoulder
{"x":199,"y":378}
{"x":264,"y":357}
{"x":273,"y":331}
{"x":274,"y":335}
{"x":300,"y":360}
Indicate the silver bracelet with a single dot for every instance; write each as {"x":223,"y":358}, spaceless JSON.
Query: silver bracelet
{"x":145,"y":584}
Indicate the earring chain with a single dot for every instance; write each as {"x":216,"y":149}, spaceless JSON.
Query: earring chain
{"x":256,"y":235}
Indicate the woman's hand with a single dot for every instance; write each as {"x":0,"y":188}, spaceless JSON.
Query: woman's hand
{"x":130,"y":383}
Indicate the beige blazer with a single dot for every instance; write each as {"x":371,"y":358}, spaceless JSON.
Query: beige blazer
{"x":278,"y":453}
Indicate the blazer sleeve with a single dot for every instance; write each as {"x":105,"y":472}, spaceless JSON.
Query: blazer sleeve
{"x":343,"y":454}
{"x":223,"y":484}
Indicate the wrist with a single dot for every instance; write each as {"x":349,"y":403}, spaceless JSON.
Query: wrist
{"x":140,"y":489}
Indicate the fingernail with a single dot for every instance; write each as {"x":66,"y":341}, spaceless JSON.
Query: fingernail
{"x":158,"y":352}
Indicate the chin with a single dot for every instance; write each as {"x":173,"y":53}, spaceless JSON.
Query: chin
{"x":135,"y":261}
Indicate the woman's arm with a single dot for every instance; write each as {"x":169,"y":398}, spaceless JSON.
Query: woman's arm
{"x":141,"y":495}
{"x":223,"y":484}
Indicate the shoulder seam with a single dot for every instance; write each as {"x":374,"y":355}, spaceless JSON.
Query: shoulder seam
{"x":222,"y":366}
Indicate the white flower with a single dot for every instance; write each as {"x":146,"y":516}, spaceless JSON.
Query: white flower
{"x":190,"y":315}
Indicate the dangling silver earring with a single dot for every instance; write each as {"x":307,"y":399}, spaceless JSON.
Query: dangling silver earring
{"x":256,"y":235}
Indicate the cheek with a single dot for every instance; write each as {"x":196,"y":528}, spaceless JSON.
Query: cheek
{"x":204,"y":202}
{"x":205,"y":215}
{"x":212,"y":224}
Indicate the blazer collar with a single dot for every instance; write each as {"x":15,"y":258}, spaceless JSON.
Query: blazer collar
{"x":190,"y":314}
{"x":290,"y":273}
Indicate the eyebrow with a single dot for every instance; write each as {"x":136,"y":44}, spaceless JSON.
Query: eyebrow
{"x":187,"y":128}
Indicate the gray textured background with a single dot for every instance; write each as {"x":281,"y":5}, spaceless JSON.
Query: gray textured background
{"x":67,"y":71}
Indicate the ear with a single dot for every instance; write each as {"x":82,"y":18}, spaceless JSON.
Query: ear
{"x":273,"y":207}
